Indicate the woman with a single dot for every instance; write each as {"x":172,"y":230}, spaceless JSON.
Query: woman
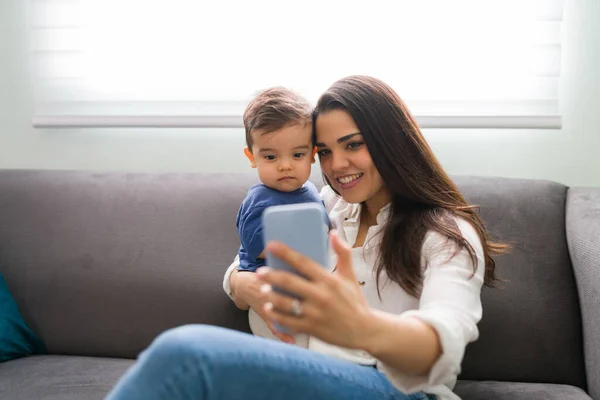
{"x":394,"y":319}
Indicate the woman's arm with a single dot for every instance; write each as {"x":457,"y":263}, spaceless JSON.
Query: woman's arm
{"x":404,"y":343}
{"x":415,"y":348}
{"x":242,"y":287}
{"x":450,"y":304}
{"x":335,"y":311}
{"x":245,"y":289}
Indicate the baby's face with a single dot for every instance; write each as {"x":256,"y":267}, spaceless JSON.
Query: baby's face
{"x":283,"y":157}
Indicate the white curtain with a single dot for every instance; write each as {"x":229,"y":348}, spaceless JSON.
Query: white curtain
{"x":457,"y":63}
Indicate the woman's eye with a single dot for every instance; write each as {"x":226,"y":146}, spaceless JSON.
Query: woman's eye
{"x":323,"y":153}
{"x":355,"y":145}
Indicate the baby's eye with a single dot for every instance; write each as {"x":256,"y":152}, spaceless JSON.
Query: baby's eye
{"x":323,"y":152}
{"x":270,"y":157}
{"x":299,"y":155}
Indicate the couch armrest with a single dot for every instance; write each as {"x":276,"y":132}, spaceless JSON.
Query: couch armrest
{"x":583,"y":237}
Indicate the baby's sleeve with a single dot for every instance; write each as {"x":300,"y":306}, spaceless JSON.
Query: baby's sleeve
{"x":251,"y":232}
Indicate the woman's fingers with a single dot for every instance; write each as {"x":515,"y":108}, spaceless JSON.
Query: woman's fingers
{"x":291,"y":283}
{"x":301,"y":263}
{"x":280,"y":335}
{"x":279,"y":308}
{"x":283,"y":303}
{"x":344,"y":265}
{"x":294,"y":324}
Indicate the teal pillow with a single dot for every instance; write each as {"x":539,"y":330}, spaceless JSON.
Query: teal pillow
{"x":16,"y":339}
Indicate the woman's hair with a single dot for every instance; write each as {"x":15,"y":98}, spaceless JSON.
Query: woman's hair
{"x":424,"y":198}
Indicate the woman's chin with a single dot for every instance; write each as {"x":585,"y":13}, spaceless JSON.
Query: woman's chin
{"x":351,"y":195}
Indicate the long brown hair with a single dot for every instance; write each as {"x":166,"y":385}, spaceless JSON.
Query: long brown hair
{"x":424,"y":198}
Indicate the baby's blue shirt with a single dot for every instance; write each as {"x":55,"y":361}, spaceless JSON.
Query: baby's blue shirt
{"x":249,"y":218}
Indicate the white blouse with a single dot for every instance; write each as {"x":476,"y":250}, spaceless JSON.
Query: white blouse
{"x":450,"y":300}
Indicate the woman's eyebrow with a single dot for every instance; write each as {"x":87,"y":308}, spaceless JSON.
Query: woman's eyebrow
{"x":341,"y":140}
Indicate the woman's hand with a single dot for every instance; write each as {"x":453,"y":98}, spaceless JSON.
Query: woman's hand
{"x":245,"y":289}
{"x":332,"y":306}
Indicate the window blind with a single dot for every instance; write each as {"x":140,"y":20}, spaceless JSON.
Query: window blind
{"x":185,"y":63}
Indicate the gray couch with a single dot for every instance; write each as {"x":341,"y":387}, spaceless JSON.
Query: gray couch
{"x":100,"y":263}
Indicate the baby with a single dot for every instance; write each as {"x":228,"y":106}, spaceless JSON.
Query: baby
{"x":278,"y":125}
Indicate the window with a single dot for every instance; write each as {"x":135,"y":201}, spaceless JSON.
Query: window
{"x":457,"y":63}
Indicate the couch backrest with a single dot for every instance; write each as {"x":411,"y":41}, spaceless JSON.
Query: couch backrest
{"x":100,"y":263}
{"x":531,"y":326}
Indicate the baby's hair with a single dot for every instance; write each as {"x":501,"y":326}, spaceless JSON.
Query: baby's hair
{"x":273,"y":109}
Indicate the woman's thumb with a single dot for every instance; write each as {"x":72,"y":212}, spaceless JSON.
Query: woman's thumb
{"x":344,"y":265}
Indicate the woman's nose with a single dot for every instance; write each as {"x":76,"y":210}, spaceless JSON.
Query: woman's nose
{"x":339,"y":162}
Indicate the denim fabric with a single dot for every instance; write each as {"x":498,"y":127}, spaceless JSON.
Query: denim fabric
{"x":203,"y":362}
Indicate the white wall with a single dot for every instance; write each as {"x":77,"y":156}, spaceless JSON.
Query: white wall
{"x":569,"y":155}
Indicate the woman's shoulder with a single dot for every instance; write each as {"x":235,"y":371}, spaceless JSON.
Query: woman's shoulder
{"x":467,"y":230}
{"x":436,"y":242}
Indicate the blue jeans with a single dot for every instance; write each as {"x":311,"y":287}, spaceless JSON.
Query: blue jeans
{"x":210,"y":363}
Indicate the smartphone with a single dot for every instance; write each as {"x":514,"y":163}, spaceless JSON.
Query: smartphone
{"x":303,"y":227}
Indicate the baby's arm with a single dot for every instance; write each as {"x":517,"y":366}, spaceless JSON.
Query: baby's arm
{"x":251,"y":233}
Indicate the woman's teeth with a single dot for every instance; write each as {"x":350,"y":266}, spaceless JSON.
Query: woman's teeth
{"x":347,"y":179}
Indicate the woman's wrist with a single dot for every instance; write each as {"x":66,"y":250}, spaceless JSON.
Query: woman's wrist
{"x":379,"y":326}
{"x":371,"y":324}
{"x":408,"y":344}
{"x":245,"y":290}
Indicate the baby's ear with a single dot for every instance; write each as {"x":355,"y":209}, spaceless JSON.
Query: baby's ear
{"x":250,"y":156}
{"x":314,"y":153}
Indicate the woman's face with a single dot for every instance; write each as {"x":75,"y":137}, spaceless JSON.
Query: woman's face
{"x":346,"y":162}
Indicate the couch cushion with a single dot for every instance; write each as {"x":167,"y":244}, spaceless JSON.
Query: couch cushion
{"x":60,"y":377}
{"x":517,"y":391}
{"x":531,"y":327}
